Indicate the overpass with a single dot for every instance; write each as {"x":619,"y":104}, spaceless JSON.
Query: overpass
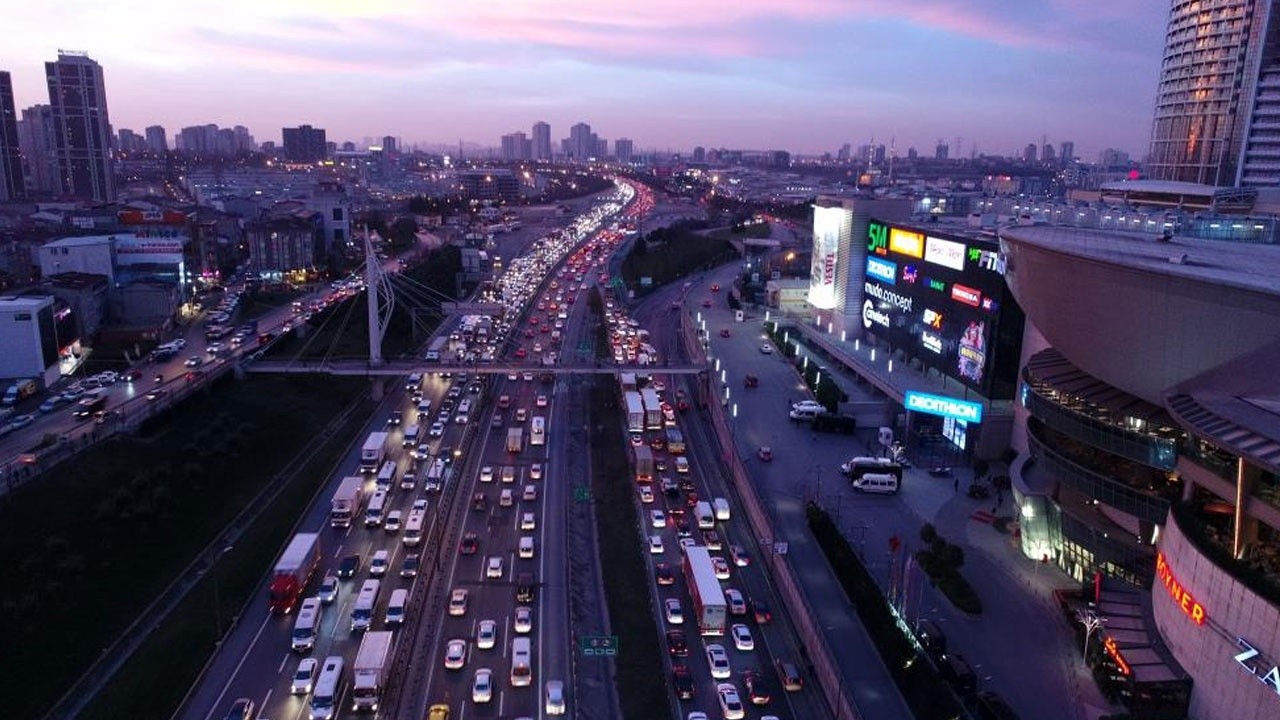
{"x":359,"y":366}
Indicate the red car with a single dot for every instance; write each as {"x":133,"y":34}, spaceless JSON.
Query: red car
{"x":765,"y":453}
{"x":469,"y":545}
{"x":715,"y":287}
{"x":520,"y":353}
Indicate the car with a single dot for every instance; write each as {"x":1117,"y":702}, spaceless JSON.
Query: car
{"x":527,"y":521}
{"x":724,"y":332}
{"x":757,"y":687}
{"x":535,"y":471}
{"x":409,"y":566}
{"x":674,"y":613}
{"x":739,"y":555}
{"x":458,"y":602}
{"x":766,"y":349}
{"x":718,"y":660}
{"x":734,"y":599}
{"x":555,"y":704}
{"x":486,"y":634}
{"x":482,"y":686}
{"x":52,"y":403}
{"x":523,"y":621}
{"x":395,"y":519}
{"x":455,"y":654}
{"x":437,"y":429}
{"x":493,"y":568}
{"x":541,"y":401}
{"x":683,"y":528}
{"x":663,"y":574}
{"x":706,"y":303}
{"x":420,"y":504}
{"x":657,"y":519}
{"x":790,"y":674}
{"x":682,"y":679}
{"x":646,"y":494}
{"x":765,"y":453}
{"x":241,"y":709}
{"x":677,"y":644}
{"x":508,"y":474}
{"x":655,"y":545}
{"x":715,"y":287}
{"x":21,"y":421}
{"x":349,"y":566}
{"x":395,"y":417}
{"x":761,"y":611}
{"x":486,"y":473}
{"x":742,"y":638}
{"x":496,"y":421}
{"x":711,"y":539}
{"x":720,"y":567}
{"x":304,"y":678}
{"x":521,"y":415}
{"x":194,"y":361}
{"x":378,"y":565}
{"x":730,"y":703}
{"x":439,"y":711}
{"x":329,"y":588}
{"x":521,"y":354}
{"x":530,"y":493}
{"x":468,"y":546}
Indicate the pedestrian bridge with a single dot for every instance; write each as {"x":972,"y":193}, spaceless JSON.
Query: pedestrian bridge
{"x":356,"y":366}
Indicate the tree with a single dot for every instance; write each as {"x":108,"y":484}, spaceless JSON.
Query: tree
{"x":928,"y":533}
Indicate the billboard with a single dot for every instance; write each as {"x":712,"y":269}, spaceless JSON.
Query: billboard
{"x":941,"y":300}
{"x":828,"y":224}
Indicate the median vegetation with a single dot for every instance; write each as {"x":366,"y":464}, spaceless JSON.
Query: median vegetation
{"x":819,"y":382}
{"x":670,"y":253}
{"x":941,"y":561}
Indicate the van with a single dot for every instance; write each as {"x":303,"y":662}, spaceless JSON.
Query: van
{"x":424,"y":409}
{"x":721,"y":506}
{"x":411,"y":434}
{"x":464,"y":407}
{"x":521,"y":670}
{"x":386,"y":475}
{"x":859,"y":466}
{"x":876,"y":483}
{"x":324,"y":700}
{"x":413,"y":527}
{"x":704,"y":514}
{"x":307,"y":625}
{"x":373,"y":514}
{"x":396,"y":607}
{"x":362,"y":612}
{"x":526,"y":547}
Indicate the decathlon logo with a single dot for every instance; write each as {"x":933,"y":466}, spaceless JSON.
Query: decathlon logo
{"x":943,"y":406}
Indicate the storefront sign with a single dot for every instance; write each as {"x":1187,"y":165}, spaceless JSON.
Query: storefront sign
{"x":931,"y":341}
{"x":902,"y":302}
{"x":1265,"y":671}
{"x":1114,"y":652}
{"x":872,"y":316}
{"x":882,"y":270}
{"x":906,"y":242}
{"x":944,"y":252}
{"x":1181,"y":597}
{"x":877,"y":238}
{"x":943,"y":406}
{"x":966,"y":295}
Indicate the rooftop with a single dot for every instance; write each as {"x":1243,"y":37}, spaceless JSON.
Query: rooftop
{"x":86,"y":240}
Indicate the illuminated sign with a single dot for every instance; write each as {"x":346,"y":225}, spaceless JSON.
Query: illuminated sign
{"x":987,"y":260}
{"x":933,"y":318}
{"x":1183,"y":599}
{"x":966,"y":295}
{"x":1266,"y":672}
{"x":910,"y":274}
{"x":1114,"y":652}
{"x":971,"y":360}
{"x":943,"y":406}
{"x":877,"y":238}
{"x":872,"y":316}
{"x":902,"y":302}
{"x":938,"y":285}
{"x":882,"y":270}
{"x":828,"y":225}
{"x":944,"y":252}
{"x":931,"y":341}
{"x":906,"y":242}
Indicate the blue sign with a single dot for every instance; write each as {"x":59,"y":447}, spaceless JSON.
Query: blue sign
{"x":882,"y":269}
{"x":943,"y":406}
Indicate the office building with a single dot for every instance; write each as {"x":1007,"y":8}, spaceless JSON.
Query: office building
{"x":700,"y":153}
{"x":623,"y":149}
{"x":942,"y":151}
{"x":495,"y":184}
{"x":1068,"y":152}
{"x":37,"y":137}
{"x":13,"y":184}
{"x":304,"y":144}
{"x":541,"y":141}
{"x":582,"y":144}
{"x":129,"y":142}
{"x":28,"y":333}
{"x":286,"y":241}
{"x":389,"y":144}
{"x":1029,"y":153}
{"x":516,"y":146}
{"x":78,"y":96}
{"x":157,"y":141}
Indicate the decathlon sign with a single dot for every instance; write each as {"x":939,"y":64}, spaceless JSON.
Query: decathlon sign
{"x":943,"y":406}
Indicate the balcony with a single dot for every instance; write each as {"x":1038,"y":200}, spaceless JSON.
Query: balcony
{"x":1209,"y":530}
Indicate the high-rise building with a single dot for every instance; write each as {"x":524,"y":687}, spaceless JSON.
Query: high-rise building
{"x":581,"y":144}
{"x":623,"y":149}
{"x":36,"y":138}
{"x":243,"y":140}
{"x":78,"y":97}
{"x":13,"y":184}
{"x":1029,"y":153}
{"x":541,"y":141}
{"x":157,"y":142}
{"x":700,"y":153}
{"x":1047,"y":153}
{"x":128,"y":141}
{"x":1215,"y":55}
{"x":842,"y":155}
{"x":516,"y":146}
{"x":388,"y":144}
{"x":941,"y":152}
{"x":304,"y":144}
{"x":1068,"y":151}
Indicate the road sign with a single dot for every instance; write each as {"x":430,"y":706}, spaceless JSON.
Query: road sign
{"x":780,"y":548}
{"x":581,"y":493}
{"x":598,"y":645}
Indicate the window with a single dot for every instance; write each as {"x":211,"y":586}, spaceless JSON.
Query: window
{"x":337,"y":214}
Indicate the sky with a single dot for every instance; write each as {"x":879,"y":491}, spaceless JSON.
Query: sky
{"x":800,"y":75}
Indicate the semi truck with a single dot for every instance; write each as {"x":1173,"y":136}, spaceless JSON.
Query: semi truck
{"x":708,"y":599}
{"x":346,"y":501}
{"x":515,"y":440}
{"x":373,"y":452}
{"x":652,"y":409}
{"x":370,"y":670}
{"x":292,"y":572}
{"x":644,"y":464}
{"x":635,"y":411}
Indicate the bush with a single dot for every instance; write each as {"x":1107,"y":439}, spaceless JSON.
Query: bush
{"x":928,"y":533}
{"x":942,"y":562}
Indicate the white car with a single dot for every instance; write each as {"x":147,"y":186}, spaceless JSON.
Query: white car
{"x":646,"y":494}
{"x":378,"y":565}
{"x":737,"y":604}
{"x":535,"y":471}
{"x":541,"y":401}
{"x":675,"y":614}
{"x":437,"y":429}
{"x":305,"y":677}
{"x":486,"y":634}
{"x":455,"y":654}
{"x":655,"y":545}
{"x":393,"y":522}
{"x":720,"y":567}
{"x":482,"y":686}
{"x":486,"y":473}
{"x":524,"y":619}
{"x":194,"y":361}
{"x":508,"y":474}
{"x":718,"y":659}
{"x":494,"y":568}
{"x":730,"y":703}
{"x":657,"y":519}
{"x":555,"y":704}
{"x":458,"y":602}
{"x":528,"y":521}
{"x":742,"y":638}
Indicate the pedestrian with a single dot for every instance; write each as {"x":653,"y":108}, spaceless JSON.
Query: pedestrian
{"x":999,"y":497}
{"x":956,"y":483}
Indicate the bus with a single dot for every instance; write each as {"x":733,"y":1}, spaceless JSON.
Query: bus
{"x":538,"y":430}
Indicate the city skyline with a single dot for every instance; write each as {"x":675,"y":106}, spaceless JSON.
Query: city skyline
{"x":760,"y":75}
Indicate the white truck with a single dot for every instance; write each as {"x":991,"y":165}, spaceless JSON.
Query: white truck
{"x":346,"y":501}
{"x":373,"y":452}
{"x":708,"y":599}
{"x":635,"y":411}
{"x":370,"y":670}
{"x":652,"y":409}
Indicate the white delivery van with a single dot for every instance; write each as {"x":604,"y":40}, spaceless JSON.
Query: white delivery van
{"x":374,"y":513}
{"x":396,"y":607}
{"x":721,"y":506}
{"x":324,"y":701}
{"x":362,"y":612}
{"x":521,"y":657}
{"x":876,"y":483}
{"x":307,"y":625}
{"x":411,"y":434}
{"x":705,"y":516}
{"x":386,"y":475}
{"x":413,"y":527}
{"x":526,"y":547}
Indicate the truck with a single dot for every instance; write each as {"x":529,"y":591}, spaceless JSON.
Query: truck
{"x":293,"y":570}
{"x":346,"y":501}
{"x":373,"y":452}
{"x":652,"y":409}
{"x":20,"y":390}
{"x":515,"y":440}
{"x":635,"y":411}
{"x":708,"y":599}
{"x":675,"y":441}
{"x":644,"y":464}
{"x":370,"y":671}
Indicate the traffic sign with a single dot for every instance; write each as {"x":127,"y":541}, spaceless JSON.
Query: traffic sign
{"x":598,"y":645}
{"x":581,"y":493}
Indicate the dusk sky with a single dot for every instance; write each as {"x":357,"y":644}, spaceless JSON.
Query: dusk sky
{"x":801,"y":75}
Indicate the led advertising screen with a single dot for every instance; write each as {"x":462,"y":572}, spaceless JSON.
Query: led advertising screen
{"x":942,"y":299}
{"x":828,"y":222}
